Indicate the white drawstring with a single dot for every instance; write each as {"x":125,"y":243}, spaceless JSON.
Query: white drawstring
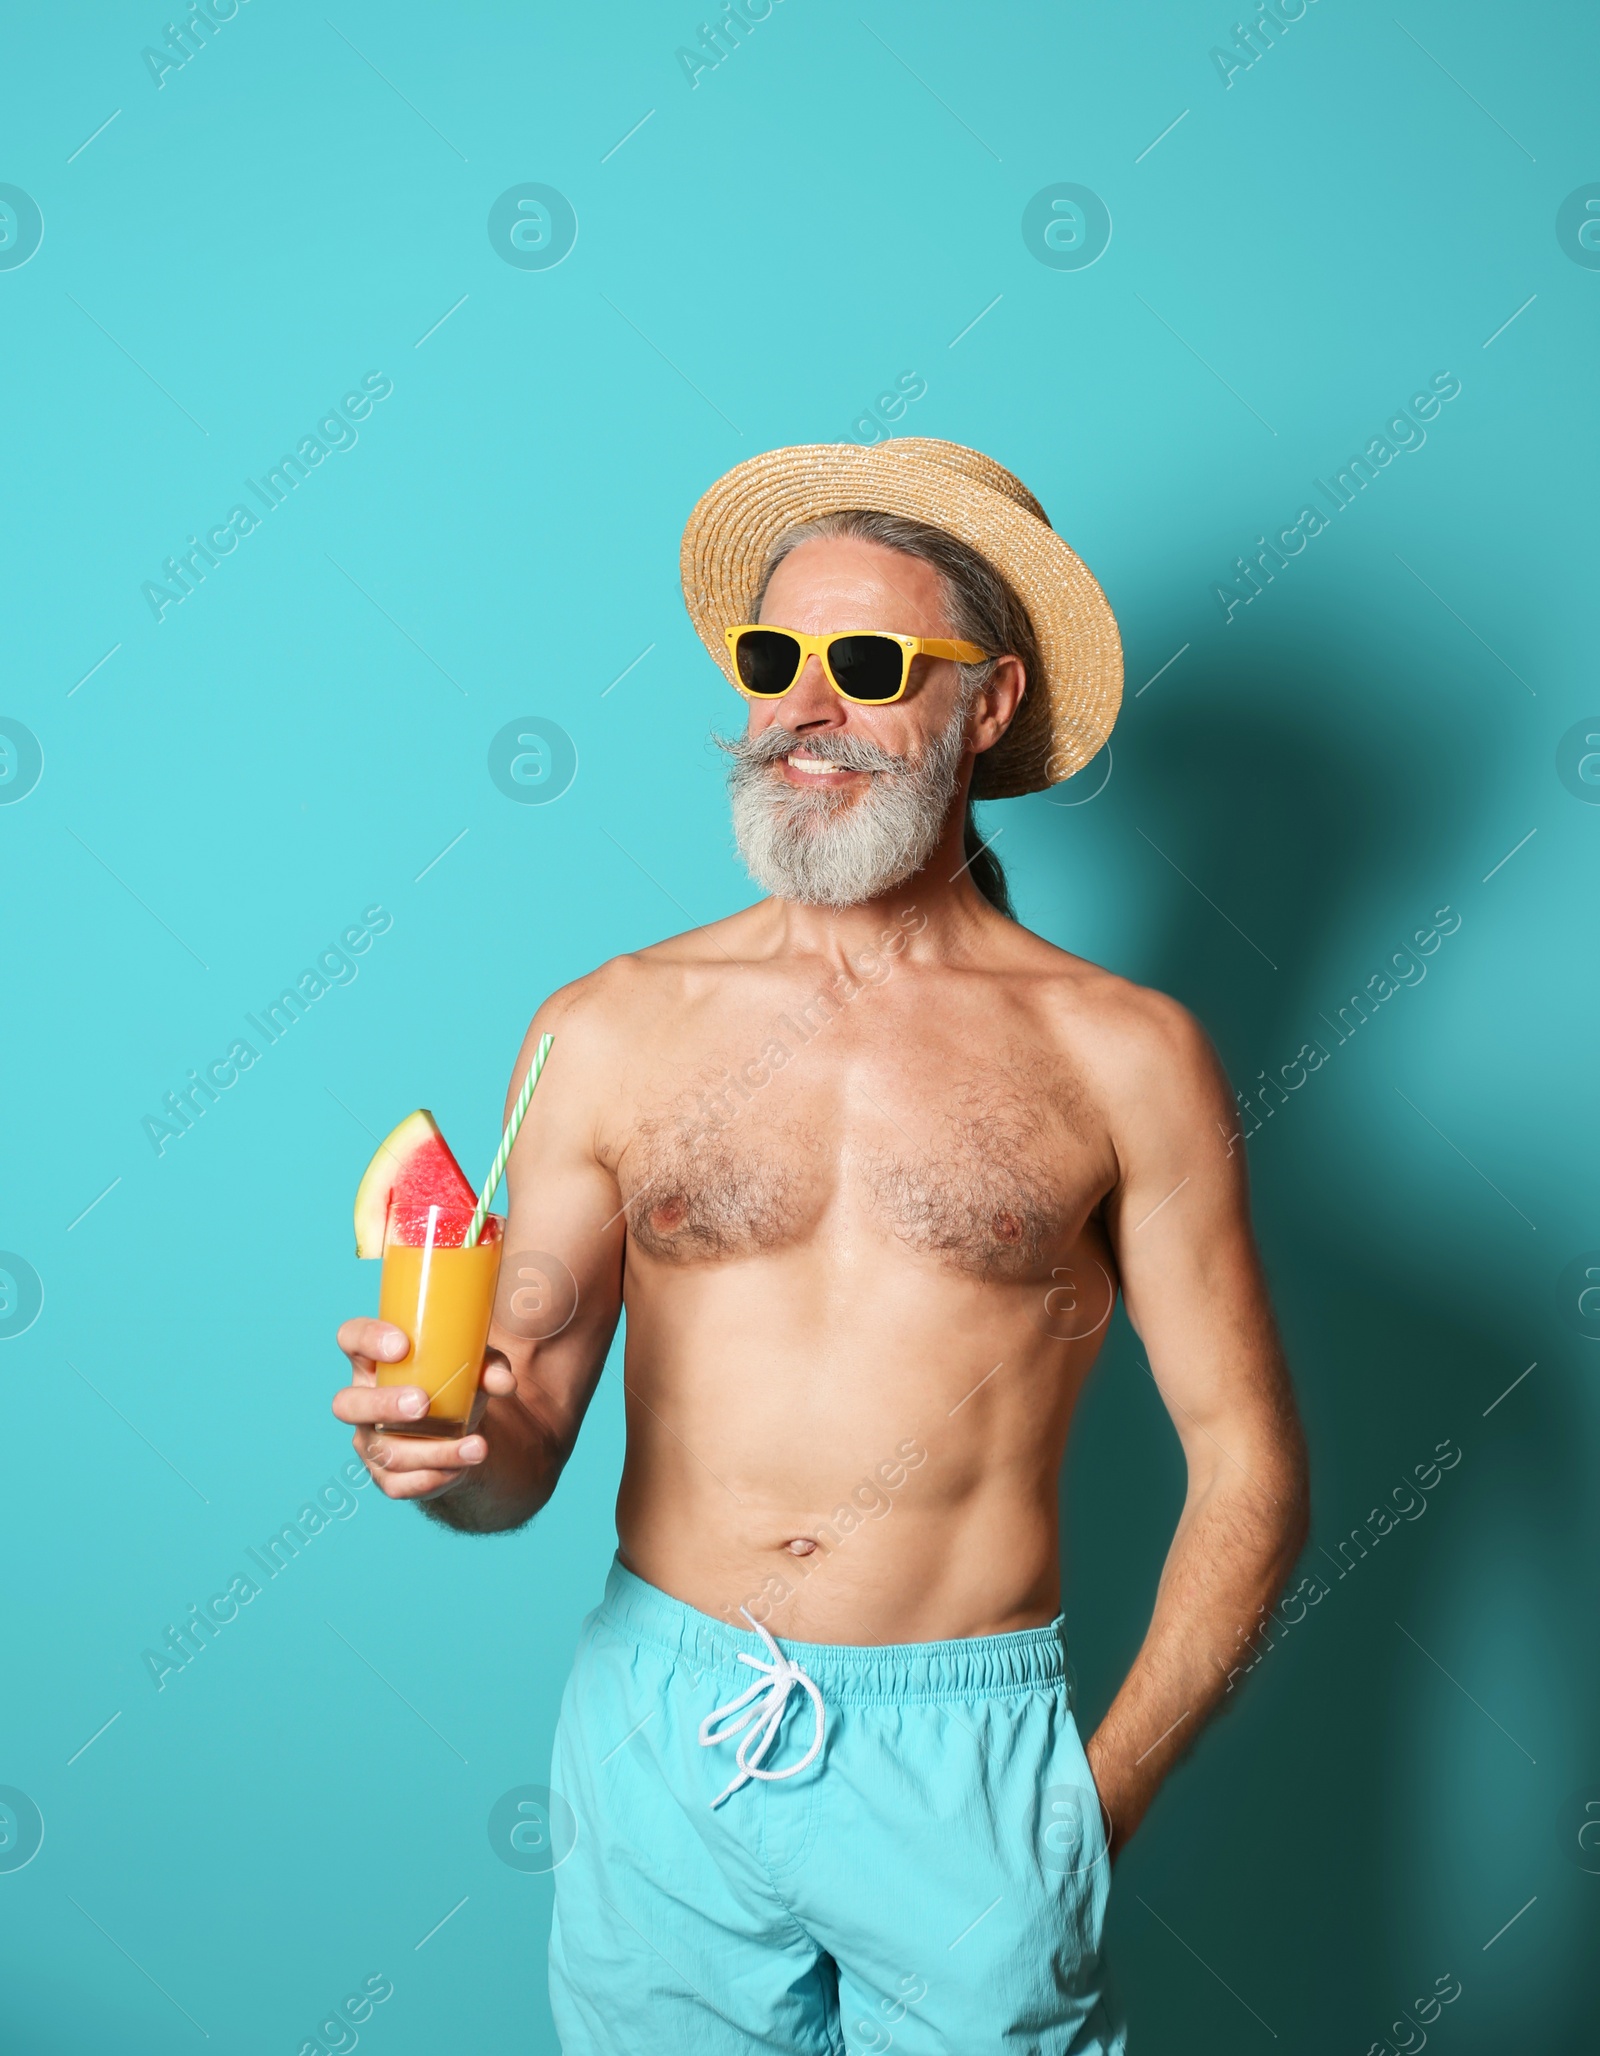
{"x":762,"y":1720}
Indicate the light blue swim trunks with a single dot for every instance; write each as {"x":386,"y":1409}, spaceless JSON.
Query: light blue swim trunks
{"x":820,"y":1849}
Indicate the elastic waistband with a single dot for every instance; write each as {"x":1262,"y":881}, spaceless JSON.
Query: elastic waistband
{"x":846,"y":1673}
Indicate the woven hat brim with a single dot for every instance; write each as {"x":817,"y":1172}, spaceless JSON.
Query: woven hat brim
{"x":1066,"y":714}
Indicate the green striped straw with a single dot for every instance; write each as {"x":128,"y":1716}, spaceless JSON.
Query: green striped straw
{"x":497,"y":1168}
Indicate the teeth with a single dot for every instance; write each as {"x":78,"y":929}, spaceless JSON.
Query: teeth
{"x":811,"y":764}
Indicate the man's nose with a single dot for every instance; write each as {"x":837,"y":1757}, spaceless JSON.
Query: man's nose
{"x":811,"y":702}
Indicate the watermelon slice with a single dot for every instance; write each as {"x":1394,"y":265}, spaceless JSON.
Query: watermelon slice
{"x":412,"y":1171}
{"x":408,"y":1225}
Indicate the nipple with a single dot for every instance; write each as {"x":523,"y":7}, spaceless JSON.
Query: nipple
{"x":668,"y":1215}
{"x":1007,"y":1227}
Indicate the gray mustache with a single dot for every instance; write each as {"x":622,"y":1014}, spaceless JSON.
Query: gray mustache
{"x":849,"y":752}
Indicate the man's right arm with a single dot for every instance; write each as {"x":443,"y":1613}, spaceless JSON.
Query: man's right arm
{"x":556,"y":1308}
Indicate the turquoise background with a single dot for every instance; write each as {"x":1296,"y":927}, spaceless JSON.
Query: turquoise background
{"x":306,"y":735}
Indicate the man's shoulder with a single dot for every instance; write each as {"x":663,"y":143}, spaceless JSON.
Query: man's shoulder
{"x":640,"y":981}
{"x":1122,"y":1028}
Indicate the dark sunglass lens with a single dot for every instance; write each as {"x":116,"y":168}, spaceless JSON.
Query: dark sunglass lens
{"x":868,"y":667}
{"x":768,"y":661}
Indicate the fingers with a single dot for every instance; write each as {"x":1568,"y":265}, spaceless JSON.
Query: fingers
{"x":367,"y":1404}
{"x":412,"y":1484}
{"x":407,"y":1466}
{"x":376,"y":1341}
{"x":399,"y":1454}
{"x":412,"y":1467}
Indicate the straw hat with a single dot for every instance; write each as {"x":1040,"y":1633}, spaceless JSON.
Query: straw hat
{"x":1065,"y":715}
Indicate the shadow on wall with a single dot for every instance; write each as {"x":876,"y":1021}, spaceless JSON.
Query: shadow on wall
{"x":1353,"y":1830}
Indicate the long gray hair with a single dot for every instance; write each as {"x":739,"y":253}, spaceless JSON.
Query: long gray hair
{"x":982,"y":609}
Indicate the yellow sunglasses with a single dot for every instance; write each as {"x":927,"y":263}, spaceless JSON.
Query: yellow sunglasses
{"x":868,"y":667}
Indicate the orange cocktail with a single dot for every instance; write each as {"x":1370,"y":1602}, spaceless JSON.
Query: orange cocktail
{"x":441,"y":1296}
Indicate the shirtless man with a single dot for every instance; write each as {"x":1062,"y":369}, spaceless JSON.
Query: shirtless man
{"x":866,"y":1164}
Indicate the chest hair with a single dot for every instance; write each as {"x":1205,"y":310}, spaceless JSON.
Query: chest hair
{"x":985,"y":1174}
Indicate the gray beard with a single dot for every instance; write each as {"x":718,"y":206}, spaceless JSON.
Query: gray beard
{"x":834,"y":848}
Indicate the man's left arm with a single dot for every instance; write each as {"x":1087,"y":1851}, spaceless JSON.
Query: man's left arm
{"x":1179,"y":1221}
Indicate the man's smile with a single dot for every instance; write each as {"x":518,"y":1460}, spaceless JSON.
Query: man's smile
{"x":800,"y":767}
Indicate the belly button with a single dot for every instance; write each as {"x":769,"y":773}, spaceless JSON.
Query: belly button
{"x":802,"y":1545}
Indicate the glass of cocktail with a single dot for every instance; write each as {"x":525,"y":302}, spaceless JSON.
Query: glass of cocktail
{"x":441,"y":1258}
{"x":440,"y":1294}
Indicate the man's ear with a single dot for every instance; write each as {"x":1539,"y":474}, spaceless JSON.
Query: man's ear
{"x":998,"y":703}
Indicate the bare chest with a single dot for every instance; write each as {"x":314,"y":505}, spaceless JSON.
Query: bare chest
{"x":987,"y":1167}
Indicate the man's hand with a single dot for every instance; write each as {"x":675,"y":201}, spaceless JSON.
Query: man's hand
{"x":407,"y":1466}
